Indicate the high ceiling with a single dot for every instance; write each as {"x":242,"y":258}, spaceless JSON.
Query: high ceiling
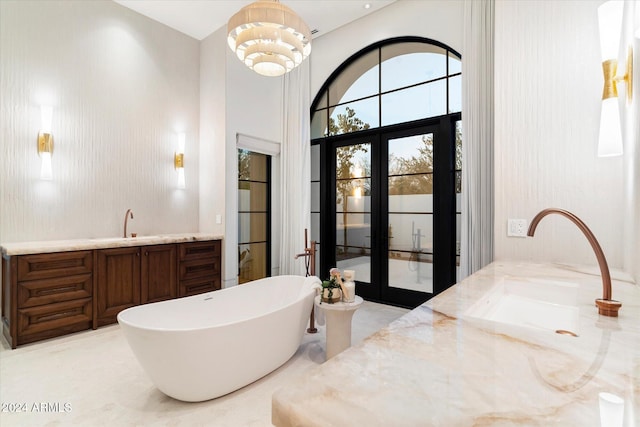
{"x":199,"y":18}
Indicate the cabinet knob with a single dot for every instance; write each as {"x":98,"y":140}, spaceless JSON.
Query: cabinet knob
{"x":146,"y":253}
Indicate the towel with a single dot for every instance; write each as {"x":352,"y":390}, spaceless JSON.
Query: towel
{"x":315,"y":283}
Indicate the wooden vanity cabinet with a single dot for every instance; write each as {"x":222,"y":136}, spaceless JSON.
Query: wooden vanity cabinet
{"x":46,"y":295}
{"x":117,"y":282}
{"x":159,"y":280}
{"x":51,"y":294}
{"x":199,"y":267}
{"x":127,"y":277}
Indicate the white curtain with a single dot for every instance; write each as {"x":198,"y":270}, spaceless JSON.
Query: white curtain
{"x":477,"y":234}
{"x":295,"y":162}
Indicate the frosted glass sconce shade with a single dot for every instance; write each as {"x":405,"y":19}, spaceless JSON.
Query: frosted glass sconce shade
{"x":609,"y":23}
{"x":610,"y":26}
{"x":178,"y":160}
{"x":45,"y":142}
{"x":269,"y":38}
{"x":610,"y":140}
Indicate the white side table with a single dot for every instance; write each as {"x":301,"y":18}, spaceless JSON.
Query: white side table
{"x":338,"y":317}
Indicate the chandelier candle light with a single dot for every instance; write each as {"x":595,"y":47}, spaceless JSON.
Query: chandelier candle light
{"x":269,"y":37}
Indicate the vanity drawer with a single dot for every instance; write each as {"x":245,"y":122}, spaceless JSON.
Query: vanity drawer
{"x":45,"y":266}
{"x":198,"y":286}
{"x":53,"y":320}
{"x":199,"y":250}
{"x":209,"y":268}
{"x":39,"y":292}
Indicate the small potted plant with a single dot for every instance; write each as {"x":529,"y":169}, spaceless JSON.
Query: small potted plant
{"x":332,"y":289}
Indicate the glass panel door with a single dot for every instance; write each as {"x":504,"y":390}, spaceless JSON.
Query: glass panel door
{"x":254,"y":217}
{"x":353,"y":209}
{"x":410,"y":218}
{"x":393,"y":218}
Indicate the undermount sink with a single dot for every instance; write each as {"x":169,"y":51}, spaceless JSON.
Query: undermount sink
{"x":539,"y":304}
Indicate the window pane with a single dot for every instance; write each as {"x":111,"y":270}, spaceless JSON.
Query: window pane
{"x":252,"y":166}
{"x":315,"y":162}
{"x":252,"y":196}
{"x":353,"y":209}
{"x":358,"y":80}
{"x":322,"y":102}
{"x":353,"y":161}
{"x":411,"y":248}
{"x":315,"y":227}
{"x":319,"y":124}
{"x":252,"y":262}
{"x":411,"y":231}
{"x":455,"y":66}
{"x":455,"y":94}
{"x":353,"y":117}
{"x":428,"y":100}
{"x":410,"y":202}
{"x":411,"y":184}
{"x":406,"y":64}
{"x":252,"y":227}
{"x":353,"y":241}
{"x":315,"y":197}
{"x":411,"y":154}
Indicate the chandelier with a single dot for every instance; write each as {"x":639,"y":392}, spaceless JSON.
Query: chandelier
{"x":269,"y":37}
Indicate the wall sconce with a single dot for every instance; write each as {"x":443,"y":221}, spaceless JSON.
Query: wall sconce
{"x":178,"y":160}
{"x":610,"y":23}
{"x":45,"y":142}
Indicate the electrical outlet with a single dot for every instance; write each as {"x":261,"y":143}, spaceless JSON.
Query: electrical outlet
{"x":517,"y":228}
{"x":218,"y":219}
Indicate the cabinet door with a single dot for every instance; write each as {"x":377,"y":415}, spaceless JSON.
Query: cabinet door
{"x":118,"y":282}
{"x":159,"y":277}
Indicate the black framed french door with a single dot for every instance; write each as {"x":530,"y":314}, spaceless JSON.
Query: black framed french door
{"x":389,"y":211}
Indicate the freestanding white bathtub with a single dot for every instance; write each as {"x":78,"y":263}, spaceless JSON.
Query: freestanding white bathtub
{"x":204,"y":346}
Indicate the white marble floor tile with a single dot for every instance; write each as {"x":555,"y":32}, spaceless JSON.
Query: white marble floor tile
{"x":93,"y":379}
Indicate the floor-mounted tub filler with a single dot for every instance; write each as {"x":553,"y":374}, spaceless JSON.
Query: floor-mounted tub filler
{"x":205,"y":346}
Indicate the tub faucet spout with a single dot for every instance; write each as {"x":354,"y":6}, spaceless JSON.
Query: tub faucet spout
{"x":606,"y":306}
{"x":128,"y":214}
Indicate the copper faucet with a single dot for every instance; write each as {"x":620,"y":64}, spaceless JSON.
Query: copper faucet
{"x":606,"y":306}
{"x":126,"y":218}
{"x":310,"y":257}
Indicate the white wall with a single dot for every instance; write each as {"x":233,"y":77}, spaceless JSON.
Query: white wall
{"x":121,"y":86}
{"x":632,"y":152}
{"x":234,"y":100}
{"x":213,"y":75}
{"x":437,"y":20}
{"x":548,"y":89}
{"x":254,"y":107}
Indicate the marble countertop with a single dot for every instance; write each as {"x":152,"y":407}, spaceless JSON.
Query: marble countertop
{"x":437,"y":367}
{"x":47,"y":246}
